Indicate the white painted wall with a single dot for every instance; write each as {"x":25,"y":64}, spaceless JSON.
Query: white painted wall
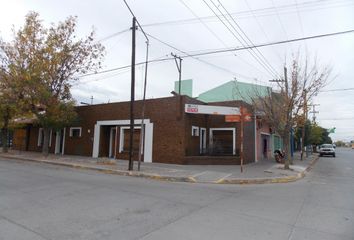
{"x":148,"y":135}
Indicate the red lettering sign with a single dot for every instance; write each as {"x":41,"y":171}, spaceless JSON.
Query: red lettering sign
{"x":192,"y":109}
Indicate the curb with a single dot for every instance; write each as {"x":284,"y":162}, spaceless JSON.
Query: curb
{"x":188,"y":179}
{"x":107,"y":171}
{"x":287,"y":179}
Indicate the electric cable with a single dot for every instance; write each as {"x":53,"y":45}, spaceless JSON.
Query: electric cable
{"x":216,"y":36}
{"x":218,"y":51}
{"x":237,"y":38}
{"x":247,"y":38}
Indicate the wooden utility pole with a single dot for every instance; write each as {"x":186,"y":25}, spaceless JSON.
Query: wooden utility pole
{"x":141,"y":145}
{"x":288,"y":158}
{"x":179,"y":68}
{"x":132,"y":97}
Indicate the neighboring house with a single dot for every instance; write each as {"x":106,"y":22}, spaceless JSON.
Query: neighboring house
{"x":266,"y":140}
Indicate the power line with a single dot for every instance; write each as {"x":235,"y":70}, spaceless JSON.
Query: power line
{"x":256,"y":57}
{"x":273,"y":43}
{"x":338,"y":90}
{"x":261,"y":27}
{"x":268,"y":68}
{"x":114,"y":35}
{"x":306,"y":6}
{"x":222,"y":51}
{"x":214,"y":34}
{"x":299,"y":18}
{"x":200,"y":60}
{"x":279,"y":19}
{"x":263,"y":59}
{"x":131,"y":12}
{"x":336,"y":119}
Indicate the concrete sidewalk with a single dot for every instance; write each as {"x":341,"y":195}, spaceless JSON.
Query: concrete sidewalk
{"x":266,"y":171}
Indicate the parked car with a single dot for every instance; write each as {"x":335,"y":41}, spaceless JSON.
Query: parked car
{"x":327,"y":149}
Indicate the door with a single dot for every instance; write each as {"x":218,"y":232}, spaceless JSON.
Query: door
{"x":202,"y":141}
{"x":265,"y":146}
{"x":59,"y":142}
{"x":113,"y":142}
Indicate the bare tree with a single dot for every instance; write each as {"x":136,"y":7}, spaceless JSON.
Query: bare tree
{"x":282,"y":109}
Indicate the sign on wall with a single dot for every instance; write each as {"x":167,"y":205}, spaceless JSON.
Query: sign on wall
{"x":237,"y":118}
{"x":213,"y":110}
{"x":232,"y":118}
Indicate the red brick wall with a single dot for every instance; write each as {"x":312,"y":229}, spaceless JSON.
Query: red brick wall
{"x":172,"y":140}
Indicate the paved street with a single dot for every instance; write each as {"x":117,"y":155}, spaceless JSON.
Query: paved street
{"x":40,"y":201}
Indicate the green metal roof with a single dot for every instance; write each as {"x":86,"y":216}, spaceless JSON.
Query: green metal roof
{"x":234,"y":90}
{"x":186,"y":87}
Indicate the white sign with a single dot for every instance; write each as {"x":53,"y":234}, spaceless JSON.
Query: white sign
{"x":214,"y":110}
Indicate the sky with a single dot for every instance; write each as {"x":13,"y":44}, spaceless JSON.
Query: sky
{"x":181,"y":26}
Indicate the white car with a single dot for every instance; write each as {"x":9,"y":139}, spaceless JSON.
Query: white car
{"x":327,"y":149}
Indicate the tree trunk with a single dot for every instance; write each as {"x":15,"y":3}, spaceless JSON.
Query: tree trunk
{"x":45,"y":147}
{"x":289,"y":152}
{"x":302,"y":141}
{"x":286,"y":150}
{"x":5,"y":135}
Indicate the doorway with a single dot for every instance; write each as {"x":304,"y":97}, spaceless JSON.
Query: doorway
{"x":202,"y":141}
{"x":113,"y":142}
{"x":265,"y":146}
{"x":59,"y":141}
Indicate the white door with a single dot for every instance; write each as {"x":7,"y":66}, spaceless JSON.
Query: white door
{"x":57,"y":142}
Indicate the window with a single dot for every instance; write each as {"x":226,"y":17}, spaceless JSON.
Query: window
{"x":222,"y":141}
{"x":124,"y":142}
{"x":41,"y":137}
{"x":75,"y":132}
{"x":195,"y":131}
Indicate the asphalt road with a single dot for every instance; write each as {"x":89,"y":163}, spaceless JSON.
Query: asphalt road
{"x":49,"y":202}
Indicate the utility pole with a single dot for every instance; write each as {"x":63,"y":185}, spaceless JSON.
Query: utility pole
{"x":285,"y":80}
{"x":91,"y":100}
{"x":288,"y":156}
{"x":141,"y":144}
{"x":132,"y":97}
{"x":314,"y":112}
{"x":179,"y":68}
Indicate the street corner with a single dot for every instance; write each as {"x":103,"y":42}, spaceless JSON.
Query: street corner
{"x":153,"y":176}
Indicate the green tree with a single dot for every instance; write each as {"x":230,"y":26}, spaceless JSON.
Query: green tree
{"x":315,"y":135}
{"x":325,"y":136}
{"x":45,"y":63}
{"x":11,"y":104}
{"x":340,"y":143}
